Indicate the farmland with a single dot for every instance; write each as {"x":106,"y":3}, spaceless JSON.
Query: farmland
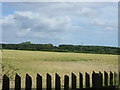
{"x":33,"y":62}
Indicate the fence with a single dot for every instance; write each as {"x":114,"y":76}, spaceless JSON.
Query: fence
{"x":100,"y":81}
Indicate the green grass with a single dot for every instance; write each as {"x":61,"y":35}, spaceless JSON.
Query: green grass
{"x":33,"y":62}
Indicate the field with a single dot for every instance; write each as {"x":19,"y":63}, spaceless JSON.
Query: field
{"x":33,"y":62}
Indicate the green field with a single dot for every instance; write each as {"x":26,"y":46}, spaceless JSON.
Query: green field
{"x":33,"y":62}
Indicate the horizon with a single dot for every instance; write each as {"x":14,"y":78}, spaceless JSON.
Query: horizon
{"x":91,"y":23}
{"x":64,"y":44}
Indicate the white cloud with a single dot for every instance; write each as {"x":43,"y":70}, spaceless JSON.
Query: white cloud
{"x":25,"y":22}
{"x":52,"y":21}
{"x":97,"y":22}
{"x":109,"y":28}
{"x":104,"y":24}
{"x":87,"y":12}
{"x":28,"y":14}
{"x":23,"y":33}
{"x":8,"y":19}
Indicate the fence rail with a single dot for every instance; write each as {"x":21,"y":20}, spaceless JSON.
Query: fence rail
{"x":103,"y":81}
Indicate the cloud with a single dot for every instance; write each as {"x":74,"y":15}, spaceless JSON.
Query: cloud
{"x":97,"y":22}
{"x":23,"y":33}
{"x":87,"y":12}
{"x":109,"y":28}
{"x":57,"y":22}
{"x":22,"y":23}
{"x":104,"y":24}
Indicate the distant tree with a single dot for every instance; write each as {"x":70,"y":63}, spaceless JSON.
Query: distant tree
{"x":26,"y":43}
{"x":62,"y":48}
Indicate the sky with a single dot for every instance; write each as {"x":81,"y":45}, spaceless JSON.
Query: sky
{"x":90,"y":23}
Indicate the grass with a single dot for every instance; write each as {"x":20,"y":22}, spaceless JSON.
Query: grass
{"x":33,"y":62}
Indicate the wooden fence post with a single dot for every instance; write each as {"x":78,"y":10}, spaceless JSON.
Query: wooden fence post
{"x":80,"y":80}
{"x":97,"y":79}
{"x":111,"y":78}
{"x":6,"y":83}
{"x":101,"y":79}
{"x":93,"y":79}
{"x":28,"y":82}
{"x":57,"y":82}
{"x":73,"y":81}
{"x":87,"y":80}
{"x":66,"y":82}
{"x":119,"y":79}
{"x":105,"y":78}
{"x":115,"y":78}
{"x":39,"y":82}
{"x":48,"y":82}
{"x":17,"y":82}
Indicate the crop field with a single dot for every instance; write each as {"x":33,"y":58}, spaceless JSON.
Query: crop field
{"x":33,"y":62}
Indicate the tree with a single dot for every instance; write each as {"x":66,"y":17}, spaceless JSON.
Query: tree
{"x":26,"y":43}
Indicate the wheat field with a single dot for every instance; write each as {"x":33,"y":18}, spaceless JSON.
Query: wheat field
{"x":33,"y":62}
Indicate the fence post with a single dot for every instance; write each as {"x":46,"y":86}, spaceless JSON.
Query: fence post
{"x":57,"y":82}
{"x":115,"y":78}
{"x":80,"y":80}
{"x":119,"y":79}
{"x":17,"y":82}
{"x":101,"y":79}
{"x":105,"y":78}
{"x":73,"y":81}
{"x":111,"y":78}
{"x":87,"y":80}
{"x":28,"y":82}
{"x":93,"y":79}
{"x":6,"y":83}
{"x":39,"y":82}
{"x":66,"y":82}
{"x":48,"y":82}
{"x":97,"y":79}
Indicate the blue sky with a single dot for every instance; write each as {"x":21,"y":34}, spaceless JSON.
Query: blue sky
{"x":91,"y":23}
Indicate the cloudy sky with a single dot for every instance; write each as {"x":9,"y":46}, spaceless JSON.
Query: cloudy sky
{"x":60,"y":23}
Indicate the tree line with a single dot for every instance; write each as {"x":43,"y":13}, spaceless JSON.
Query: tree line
{"x":63,"y":48}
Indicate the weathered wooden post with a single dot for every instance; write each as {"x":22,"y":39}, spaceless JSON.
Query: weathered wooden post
{"x":97,"y":80}
{"x":101,"y":79}
{"x":57,"y":82}
{"x":80,"y":80}
{"x":105,"y":78}
{"x":39,"y":82}
{"x":115,"y":78}
{"x":87,"y":80}
{"x":73,"y":81}
{"x":111,"y":78}
{"x":6,"y":83}
{"x":66,"y":82}
{"x":49,"y":82}
{"x":28,"y":82}
{"x":17,"y":82}
{"x":119,"y":79}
